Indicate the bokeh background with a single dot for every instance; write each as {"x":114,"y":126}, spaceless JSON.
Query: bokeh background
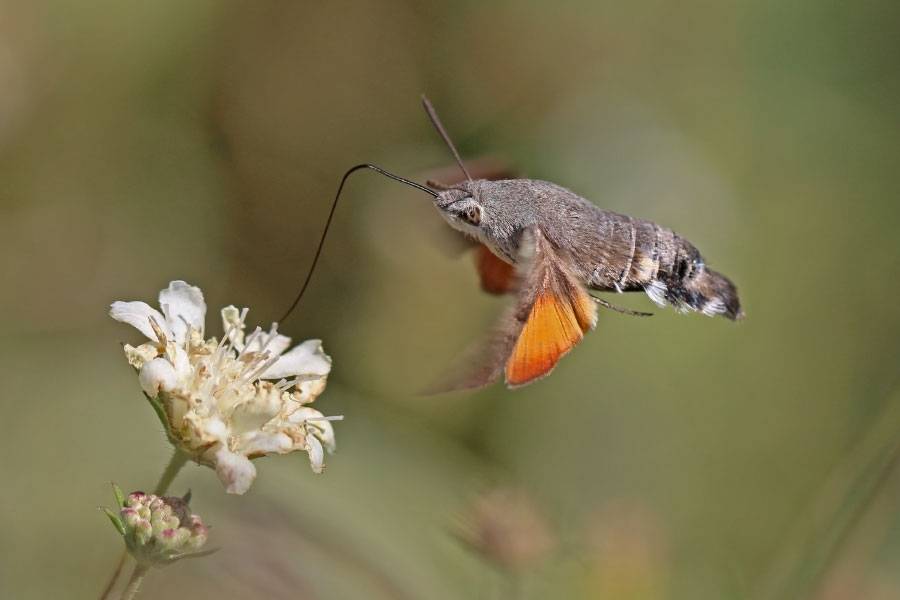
{"x":672,"y":457}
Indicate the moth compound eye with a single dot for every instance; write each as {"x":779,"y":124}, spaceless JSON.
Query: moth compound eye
{"x":472,"y":215}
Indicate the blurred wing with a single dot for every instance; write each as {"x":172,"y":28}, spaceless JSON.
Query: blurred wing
{"x":551,"y":314}
{"x":497,"y":276}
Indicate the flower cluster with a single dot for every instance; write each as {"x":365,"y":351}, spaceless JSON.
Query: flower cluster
{"x":158,"y":530}
{"x":229,"y":400}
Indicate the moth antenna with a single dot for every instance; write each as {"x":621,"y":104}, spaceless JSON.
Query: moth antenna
{"x":315,"y":260}
{"x":619,"y":309}
{"x":436,"y":121}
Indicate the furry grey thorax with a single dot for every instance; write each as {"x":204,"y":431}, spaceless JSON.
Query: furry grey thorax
{"x":606,"y":250}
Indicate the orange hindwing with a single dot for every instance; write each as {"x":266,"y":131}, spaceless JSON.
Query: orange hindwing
{"x":557,"y":321}
{"x":497,"y":276}
{"x":551,"y":314}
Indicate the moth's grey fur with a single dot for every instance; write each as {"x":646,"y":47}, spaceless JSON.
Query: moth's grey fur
{"x":608,"y":251}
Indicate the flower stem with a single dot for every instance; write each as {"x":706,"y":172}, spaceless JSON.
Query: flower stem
{"x":177,"y":461}
{"x":134,"y":583}
{"x":115,"y":576}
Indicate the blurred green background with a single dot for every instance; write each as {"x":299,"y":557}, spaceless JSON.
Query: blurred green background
{"x":672,"y":457}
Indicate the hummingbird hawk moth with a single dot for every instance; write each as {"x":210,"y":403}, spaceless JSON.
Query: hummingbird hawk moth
{"x":550,"y":247}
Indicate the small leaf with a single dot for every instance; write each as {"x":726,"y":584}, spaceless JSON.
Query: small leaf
{"x":120,"y":496}
{"x":177,"y":557}
{"x":115,"y":519}
{"x":163,"y":417}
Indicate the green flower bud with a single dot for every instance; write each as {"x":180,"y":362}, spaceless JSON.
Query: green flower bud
{"x":157,"y":529}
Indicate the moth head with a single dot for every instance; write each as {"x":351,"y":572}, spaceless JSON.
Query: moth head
{"x":464,"y":210}
{"x":483,"y":210}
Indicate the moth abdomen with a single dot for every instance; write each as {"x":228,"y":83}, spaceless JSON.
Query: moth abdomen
{"x":684,"y":280}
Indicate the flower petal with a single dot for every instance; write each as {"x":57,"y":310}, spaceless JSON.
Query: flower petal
{"x":316,"y":454}
{"x":157,"y":374}
{"x":306,"y":359}
{"x":183,"y":306}
{"x":139,"y":355}
{"x":137,"y":314}
{"x":235,"y":471}
{"x":273,"y":343}
{"x":325,"y":432}
{"x":308,"y":390}
{"x":233,"y":326}
{"x":304,"y":414}
{"x":316,"y":424}
{"x":180,"y":360}
{"x":264,"y":442}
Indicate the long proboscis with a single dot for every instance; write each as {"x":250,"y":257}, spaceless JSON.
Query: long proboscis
{"x":315,"y":260}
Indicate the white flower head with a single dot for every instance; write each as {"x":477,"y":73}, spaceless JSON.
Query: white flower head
{"x":227,"y":401}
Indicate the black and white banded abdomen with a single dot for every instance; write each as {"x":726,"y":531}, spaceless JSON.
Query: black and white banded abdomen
{"x":664,"y":265}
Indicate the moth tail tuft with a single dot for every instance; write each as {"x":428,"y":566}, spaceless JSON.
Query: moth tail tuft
{"x":704,"y":290}
{"x":713,"y":294}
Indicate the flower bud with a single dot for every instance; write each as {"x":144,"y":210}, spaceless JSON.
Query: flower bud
{"x":199,"y":533}
{"x":130,"y":516}
{"x":135,"y":499}
{"x":173,"y":538}
{"x":158,"y":529}
{"x":143,"y":532}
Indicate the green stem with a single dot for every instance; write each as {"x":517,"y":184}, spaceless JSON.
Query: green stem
{"x":819,"y":538}
{"x":853,"y":515}
{"x":177,"y":461}
{"x":115,"y":576}
{"x":134,"y":583}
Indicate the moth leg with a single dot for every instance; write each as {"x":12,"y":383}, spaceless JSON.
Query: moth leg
{"x":619,"y":309}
